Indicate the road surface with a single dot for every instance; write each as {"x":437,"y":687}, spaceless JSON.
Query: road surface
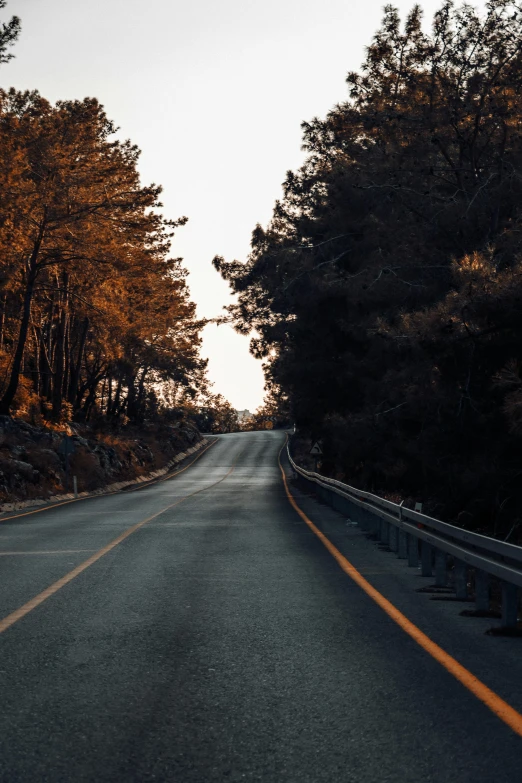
{"x":220,"y":641}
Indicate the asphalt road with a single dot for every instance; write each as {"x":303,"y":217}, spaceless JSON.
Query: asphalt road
{"x":220,"y":641}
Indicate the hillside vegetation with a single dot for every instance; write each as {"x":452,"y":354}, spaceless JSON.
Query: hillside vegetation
{"x":386,"y":292}
{"x":95,"y":314}
{"x":94,"y":310}
{"x":34,"y":464}
{"x":99,"y":339}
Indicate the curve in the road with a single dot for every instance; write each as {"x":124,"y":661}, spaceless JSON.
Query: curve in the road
{"x":223,"y":641}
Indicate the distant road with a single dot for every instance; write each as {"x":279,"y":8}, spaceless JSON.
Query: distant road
{"x":218,"y":640}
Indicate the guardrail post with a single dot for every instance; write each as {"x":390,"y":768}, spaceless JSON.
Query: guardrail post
{"x":352,"y":511}
{"x":441,"y":573}
{"x":426,"y":559}
{"x":364,"y":519}
{"x":385,"y":531}
{"x":481,"y":591}
{"x":413,"y":551}
{"x":393,"y":537}
{"x":461,"y":581}
{"x":403,"y":544}
{"x":372,"y":522}
{"x":360,"y":516}
{"x":509,"y":604}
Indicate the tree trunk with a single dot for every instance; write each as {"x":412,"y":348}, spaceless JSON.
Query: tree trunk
{"x":102,"y":395}
{"x":109,"y":397}
{"x":91,"y":399}
{"x":59,"y":353}
{"x":37,"y":341}
{"x":116,"y":409}
{"x":45,"y":367}
{"x":12,"y":387}
{"x":131,"y":397}
{"x":67,"y":357}
{"x":45,"y":353}
{"x":139,"y":405}
{"x":74,"y":379}
{"x":2,"y":320}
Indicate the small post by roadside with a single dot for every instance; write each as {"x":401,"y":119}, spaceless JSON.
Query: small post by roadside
{"x":75,"y":486}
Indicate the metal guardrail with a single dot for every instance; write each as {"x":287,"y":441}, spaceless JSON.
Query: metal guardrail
{"x":415,"y":536}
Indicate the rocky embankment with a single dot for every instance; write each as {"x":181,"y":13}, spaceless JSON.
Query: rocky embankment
{"x":33,"y":459}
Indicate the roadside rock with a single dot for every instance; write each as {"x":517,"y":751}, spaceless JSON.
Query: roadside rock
{"x":16,"y":471}
{"x":32,"y":459}
{"x":44,"y":460}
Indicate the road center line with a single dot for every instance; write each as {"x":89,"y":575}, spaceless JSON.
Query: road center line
{"x":13,"y":618}
{"x":495,"y":703}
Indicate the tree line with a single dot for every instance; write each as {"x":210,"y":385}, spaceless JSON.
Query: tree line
{"x":385,"y":294}
{"x":95,"y":314}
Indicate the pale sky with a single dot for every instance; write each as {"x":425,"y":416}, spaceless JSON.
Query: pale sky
{"x":213,"y":92}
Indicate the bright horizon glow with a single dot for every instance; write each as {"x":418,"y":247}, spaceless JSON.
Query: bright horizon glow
{"x":213,"y":93}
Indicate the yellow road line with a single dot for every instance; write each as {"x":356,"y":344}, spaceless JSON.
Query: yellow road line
{"x":13,"y":618}
{"x":47,"y":552}
{"x":107,"y":494}
{"x":488,"y":697}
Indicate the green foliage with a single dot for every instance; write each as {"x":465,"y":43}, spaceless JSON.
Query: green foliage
{"x":385,"y":293}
